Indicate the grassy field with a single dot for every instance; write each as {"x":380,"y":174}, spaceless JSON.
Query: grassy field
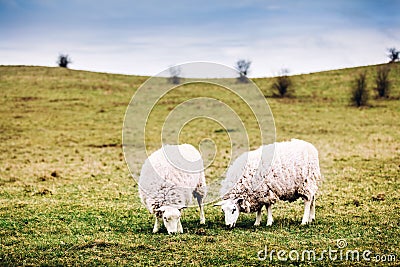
{"x":67,"y":197}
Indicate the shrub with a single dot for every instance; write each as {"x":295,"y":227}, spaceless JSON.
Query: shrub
{"x":359,"y":92}
{"x":393,"y":54}
{"x":382,"y":81}
{"x":174,"y":77}
{"x":283,"y":85}
{"x":242,"y":67}
{"x":63,"y":61}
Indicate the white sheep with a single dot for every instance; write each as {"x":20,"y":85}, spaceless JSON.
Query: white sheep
{"x":169,"y":178}
{"x":253,"y":181}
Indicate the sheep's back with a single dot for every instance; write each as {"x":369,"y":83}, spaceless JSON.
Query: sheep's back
{"x":163,"y":183}
{"x":294,"y":172}
{"x":279,"y":171}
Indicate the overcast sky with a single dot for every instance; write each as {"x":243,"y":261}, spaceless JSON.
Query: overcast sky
{"x":145,"y":37}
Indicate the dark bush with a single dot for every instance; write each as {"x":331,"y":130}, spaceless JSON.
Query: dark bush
{"x":393,"y":54}
{"x":282,"y":85}
{"x":63,"y":61}
{"x":242,"y":67}
{"x":175,"y":73}
{"x":359,"y":93}
{"x":382,"y":81}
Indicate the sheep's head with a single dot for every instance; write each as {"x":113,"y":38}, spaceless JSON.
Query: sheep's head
{"x":231,"y":210}
{"x":171,"y":217}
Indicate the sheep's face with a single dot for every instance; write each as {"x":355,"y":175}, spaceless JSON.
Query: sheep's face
{"x":171,"y":217}
{"x":231,"y":210}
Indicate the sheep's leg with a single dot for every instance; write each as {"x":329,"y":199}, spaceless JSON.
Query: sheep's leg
{"x":312,"y":210}
{"x":202,"y":217}
{"x":269,"y":219}
{"x":258,"y":217}
{"x":156,"y":225}
{"x":306,"y":216}
{"x":180,"y":228}
{"x":201,"y":206}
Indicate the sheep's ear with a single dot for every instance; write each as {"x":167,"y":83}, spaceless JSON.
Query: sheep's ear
{"x":220,"y":203}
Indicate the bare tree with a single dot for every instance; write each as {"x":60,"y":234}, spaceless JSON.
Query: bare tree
{"x":174,"y":77}
{"x":393,"y":54}
{"x":243,"y":68}
{"x":63,"y":60}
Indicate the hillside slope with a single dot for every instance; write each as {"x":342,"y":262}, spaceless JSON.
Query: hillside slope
{"x":66,"y":195}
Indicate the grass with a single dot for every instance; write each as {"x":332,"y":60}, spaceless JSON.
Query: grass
{"x":67,"y":198}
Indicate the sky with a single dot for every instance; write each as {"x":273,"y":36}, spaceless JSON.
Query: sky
{"x":146,"y":37}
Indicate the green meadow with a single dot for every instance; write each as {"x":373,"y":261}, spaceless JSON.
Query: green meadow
{"x":67,"y":196}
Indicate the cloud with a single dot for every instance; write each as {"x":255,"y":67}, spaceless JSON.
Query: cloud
{"x":143,"y":38}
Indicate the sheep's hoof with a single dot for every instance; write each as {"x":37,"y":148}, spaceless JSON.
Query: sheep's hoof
{"x":257,"y":224}
{"x":202,"y":221}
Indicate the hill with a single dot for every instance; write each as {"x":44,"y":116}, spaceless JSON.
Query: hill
{"x":67,"y":196}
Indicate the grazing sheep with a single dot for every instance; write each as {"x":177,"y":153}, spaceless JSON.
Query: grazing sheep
{"x":252,"y":182}
{"x":168,"y":180}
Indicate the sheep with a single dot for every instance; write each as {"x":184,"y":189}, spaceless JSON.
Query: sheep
{"x":168,"y":179}
{"x":280,"y":171}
